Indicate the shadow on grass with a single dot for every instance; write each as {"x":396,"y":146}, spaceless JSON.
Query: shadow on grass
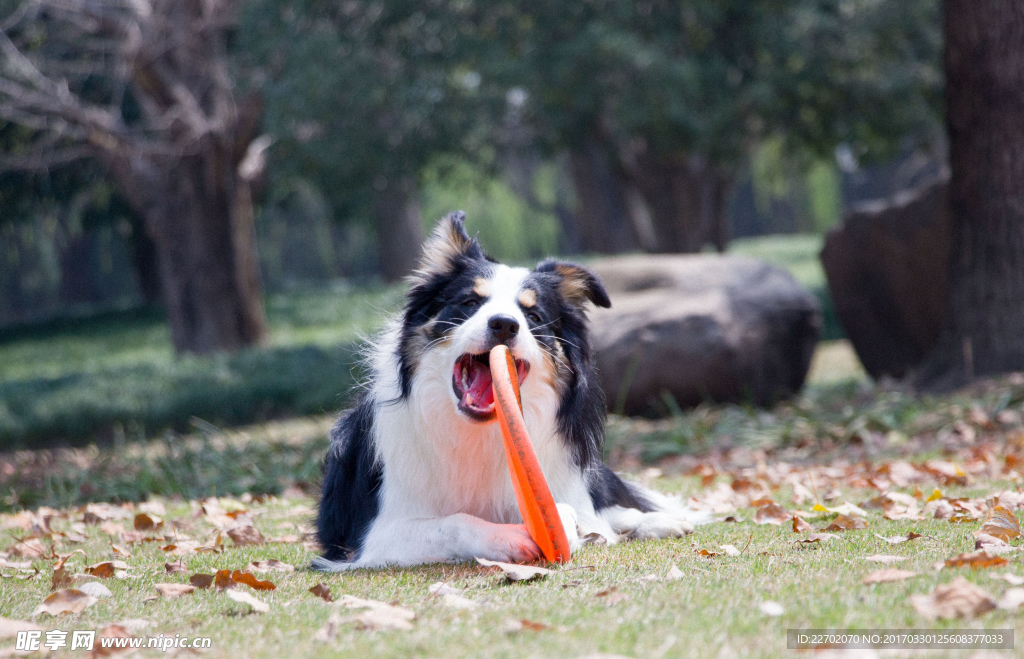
{"x":136,"y":401}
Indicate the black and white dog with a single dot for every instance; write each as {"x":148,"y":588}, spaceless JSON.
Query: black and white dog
{"x":416,"y":472}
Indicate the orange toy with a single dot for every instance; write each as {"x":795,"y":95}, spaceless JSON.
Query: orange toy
{"x":532,"y":492}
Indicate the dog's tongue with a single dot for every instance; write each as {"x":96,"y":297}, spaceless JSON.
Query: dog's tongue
{"x":475,"y":383}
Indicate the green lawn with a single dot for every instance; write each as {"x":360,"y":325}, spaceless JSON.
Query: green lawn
{"x":615,"y":599}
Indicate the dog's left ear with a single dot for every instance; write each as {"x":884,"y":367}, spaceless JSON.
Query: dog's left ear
{"x":577,"y":284}
{"x":446,"y":246}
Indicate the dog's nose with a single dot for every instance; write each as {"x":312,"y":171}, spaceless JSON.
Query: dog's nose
{"x":503,"y":328}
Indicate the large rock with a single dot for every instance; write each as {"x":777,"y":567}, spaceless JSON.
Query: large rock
{"x":887,"y":272}
{"x":701,"y":328}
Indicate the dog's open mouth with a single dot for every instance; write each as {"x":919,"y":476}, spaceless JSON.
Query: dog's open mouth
{"x":471,"y":380}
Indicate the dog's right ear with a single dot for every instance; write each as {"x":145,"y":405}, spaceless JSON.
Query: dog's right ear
{"x":447,"y":246}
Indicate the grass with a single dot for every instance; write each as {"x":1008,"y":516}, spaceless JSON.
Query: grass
{"x":713,"y":610}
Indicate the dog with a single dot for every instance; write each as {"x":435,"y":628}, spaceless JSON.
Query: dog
{"x":416,"y":471}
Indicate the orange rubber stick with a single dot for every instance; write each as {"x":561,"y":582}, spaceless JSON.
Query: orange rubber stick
{"x":536,"y":504}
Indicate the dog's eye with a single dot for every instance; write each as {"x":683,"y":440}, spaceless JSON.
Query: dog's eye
{"x":470,"y":302}
{"x":532,"y":317}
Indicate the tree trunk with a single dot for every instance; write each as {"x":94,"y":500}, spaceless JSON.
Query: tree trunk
{"x":202,"y":226}
{"x":984,"y":328}
{"x":603,"y":221}
{"x":687,"y":201}
{"x":399,"y":222}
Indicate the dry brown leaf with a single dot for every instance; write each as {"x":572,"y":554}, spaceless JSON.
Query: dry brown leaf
{"x":800,"y":526}
{"x":200,"y":580}
{"x":847,"y":523}
{"x":891,"y":574}
{"x":772,"y":513}
{"x":516,"y":572}
{"x":730,"y":550}
{"x":177,"y":567}
{"x":65,"y":601}
{"x":251,"y":581}
{"x":612,"y":595}
{"x":111,"y":631}
{"x":31,"y":548}
{"x":959,"y":599}
{"x":272,"y":565}
{"x":898,"y":539}
{"x":245,"y":598}
{"x":885,"y":558}
{"x":815,"y":538}
{"x":378,"y":615}
{"x":120,"y":551}
{"x":180,"y":548}
{"x":223,"y":580}
{"x":147,"y":522}
{"x":706,"y":553}
{"x":1002,"y":524}
{"x":173,"y":590}
{"x":323,"y":592}
{"x":977,"y":560}
{"x":108,"y":569}
{"x":246,"y":535}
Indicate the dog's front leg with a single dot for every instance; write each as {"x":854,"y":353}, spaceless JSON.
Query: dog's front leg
{"x":453,"y":538}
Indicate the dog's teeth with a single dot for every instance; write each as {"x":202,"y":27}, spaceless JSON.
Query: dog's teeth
{"x":469,"y":399}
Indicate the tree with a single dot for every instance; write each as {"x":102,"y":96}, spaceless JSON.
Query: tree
{"x":984,"y":328}
{"x":674,"y":94}
{"x":361,"y":97}
{"x":144,"y":86}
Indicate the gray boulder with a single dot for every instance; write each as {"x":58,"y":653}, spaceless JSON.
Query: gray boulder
{"x":701,"y":328}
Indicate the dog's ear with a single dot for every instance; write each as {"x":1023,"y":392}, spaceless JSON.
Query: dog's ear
{"x":446,"y":246}
{"x":577,"y":284}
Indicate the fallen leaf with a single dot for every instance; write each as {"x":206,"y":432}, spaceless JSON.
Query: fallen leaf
{"x":847,"y":523}
{"x":272,"y":565}
{"x":891,"y":574}
{"x":815,"y":538}
{"x":885,"y":558}
{"x":800,"y":526}
{"x":322,"y":591}
{"x":120,"y":551}
{"x":177,"y":567}
{"x":108,"y":569}
{"x":200,"y":580}
{"x":934,"y":496}
{"x":147,"y":522}
{"x":1012,"y":599}
{"x":516,"y":572}
{"x":977,"y":559}
{"x":251,"y":581}
{"x":730,"y":550}
{"x":246,"y":535}
{"x":65,"y":601}
{"x":1002,"y":524}
{"x":153,"y":507}
{"x":898,"y":539}
{"x":96,"y":589}
{"x":1009,"y":578}
{"x":992,"y":544}
{"x":770,"y":608}
{"x":533,"y":626}
{"x":612,"y":595}
{"x":223,"y":580}
{"x":378,"y":615}
{"x":772,"y":513}
{"x":706,"y":553}
{"x":959,"y":599}
{"x":674,"y":574}
{"x":180,"y":548}
{"x":173,"y":590}
{"x":31,"y":548}
{"x":245,"y":598}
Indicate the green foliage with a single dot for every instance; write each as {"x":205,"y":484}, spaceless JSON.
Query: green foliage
{"x":509,"y":229}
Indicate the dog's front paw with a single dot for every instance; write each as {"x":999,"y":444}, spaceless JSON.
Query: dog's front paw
{"x":511,"y":543}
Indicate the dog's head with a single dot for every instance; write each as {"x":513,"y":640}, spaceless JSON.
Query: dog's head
{"x":462,"y":303}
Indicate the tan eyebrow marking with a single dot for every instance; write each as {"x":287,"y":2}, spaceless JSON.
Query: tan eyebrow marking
{"x":482,"y":287}
{"x":528,"y":297}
